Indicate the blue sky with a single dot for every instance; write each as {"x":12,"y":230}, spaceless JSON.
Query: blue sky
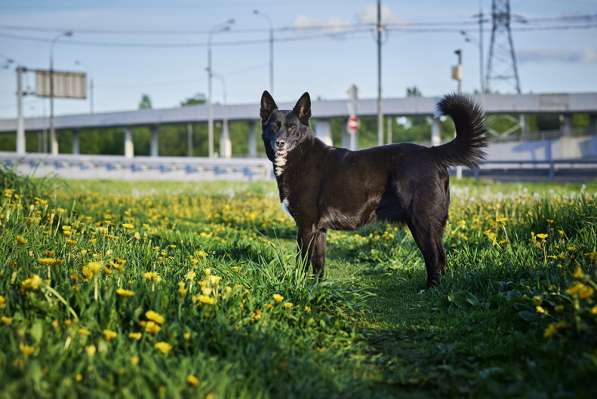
{"x":551,"y":61}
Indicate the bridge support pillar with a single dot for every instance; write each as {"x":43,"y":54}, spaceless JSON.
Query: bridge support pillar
{"x":566,"y":124}
{"x":436,"y":138}
{"x":323,"y":131}
{"x":129,"y":149}
{"x":54,"y":143}
{"x":225,"y":143}
{"x":76,"y":147}
{"x":524,"y":126}
{"x":252,"y":139}
{"x":154,"y":150}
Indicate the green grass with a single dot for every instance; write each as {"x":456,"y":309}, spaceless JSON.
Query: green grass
{"x":368,"y":330}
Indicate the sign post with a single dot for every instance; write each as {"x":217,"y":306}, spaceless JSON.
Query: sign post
{"x":61,"y":84}
{"x":352,"y":126}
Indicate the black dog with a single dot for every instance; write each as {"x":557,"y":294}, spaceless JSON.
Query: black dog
{"x":324,"y":187}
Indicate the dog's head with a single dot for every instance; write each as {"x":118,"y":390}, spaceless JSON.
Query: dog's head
{"x":282,"y":130}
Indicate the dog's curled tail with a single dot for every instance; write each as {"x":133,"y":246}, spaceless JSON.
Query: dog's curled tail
{"x":471,"y":133}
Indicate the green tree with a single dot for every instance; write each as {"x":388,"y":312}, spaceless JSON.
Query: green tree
{"x":413,"y":92}
{"x":197,"y":99}
{"x":145,"y":102}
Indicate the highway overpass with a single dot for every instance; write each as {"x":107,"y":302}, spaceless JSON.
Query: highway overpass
{"x":548,"y":103}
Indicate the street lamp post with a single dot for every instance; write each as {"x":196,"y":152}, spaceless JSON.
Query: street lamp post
{"x":271,"y":49}
{"x":54,"y":141}
{"x":225,"y":26}
{"x":379,"y":29}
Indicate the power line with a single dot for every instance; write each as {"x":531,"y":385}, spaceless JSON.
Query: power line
{"x":326,"y":27}
{"x":186,"y":44}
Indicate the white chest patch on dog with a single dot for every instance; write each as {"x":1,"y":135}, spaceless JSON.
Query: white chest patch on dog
{"x":280,"y":162}
{"x":284,"y":204}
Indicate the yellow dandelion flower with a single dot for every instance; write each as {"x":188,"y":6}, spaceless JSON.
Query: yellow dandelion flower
{"x":2,"y":302}
{"x":182,"y":290}
{"x":278,"y":298}
{"x":21,"y":240}
{"x":163,"y":347}
{"x":90,"y":349}
{"x":49,"y":261}
{"x":125,"y":293}
{"x":128,"y":226}
{"x":580,"y":290}
{"x":537,"y":300}
{"x":79,"y":377}
{"x":214,"y":280}
{"x":134,"y":360}
{"x":135,"y":336}
{"x":109,"y":335}
{"x":191,"y":275}
{"x":307,"y":308}
{"x":540,"y":310}
{"x":152,"y":276}
{"x":151,"y":327}
{"x":594,"y":310}
{"x":288,"y":305}
{"x":578,"y":273}
{"x":541,"y":236}
{"x":207,"y":300}
{"x":26,"y":349}
{"x":550,"y":330}
{"x":155,"y":316}
{"x":90,"y":269}
{"x":84,"y":332}
{"x":256,"y":315}
{"x":192,"y":380}
{"x":7,"y":321}
{"x":31,"y":283}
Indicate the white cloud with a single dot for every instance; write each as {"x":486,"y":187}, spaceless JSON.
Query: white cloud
{"x":333,"y":24}
{"x":369,"y":15}
{"x":585,"y":56}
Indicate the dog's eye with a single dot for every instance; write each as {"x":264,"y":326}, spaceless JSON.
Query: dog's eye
{"x":290,"y":126}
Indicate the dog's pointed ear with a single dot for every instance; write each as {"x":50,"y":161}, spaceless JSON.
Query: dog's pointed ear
{"x":302,"y":109}
{"x":268,"y":105}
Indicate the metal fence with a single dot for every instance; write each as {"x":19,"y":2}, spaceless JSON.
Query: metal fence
{"x":248,"y":169}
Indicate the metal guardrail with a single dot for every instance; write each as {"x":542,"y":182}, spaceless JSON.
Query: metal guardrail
{"x":547,"y":168}
{"x":139,"y":168}
{"x":183,"y":168}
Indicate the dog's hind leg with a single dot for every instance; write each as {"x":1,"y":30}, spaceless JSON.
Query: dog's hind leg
{"x":311,"y":243}
{"x":427,"y":243}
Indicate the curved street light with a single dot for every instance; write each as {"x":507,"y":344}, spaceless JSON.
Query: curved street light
{"x":221,"y":27}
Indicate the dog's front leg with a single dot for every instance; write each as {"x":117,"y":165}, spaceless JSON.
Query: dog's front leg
{"x":311,"y":244}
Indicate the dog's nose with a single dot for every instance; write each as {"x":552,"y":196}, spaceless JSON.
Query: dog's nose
{"x":280,"y":143}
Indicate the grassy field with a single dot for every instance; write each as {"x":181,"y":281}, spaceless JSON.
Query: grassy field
{"x":192,"y":290}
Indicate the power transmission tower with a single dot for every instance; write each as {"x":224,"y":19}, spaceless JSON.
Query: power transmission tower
{"x":501,"y":66}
